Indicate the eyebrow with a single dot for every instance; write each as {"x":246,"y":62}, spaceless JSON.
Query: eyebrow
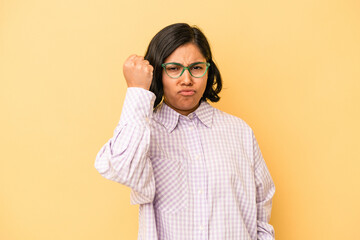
{"x":188,"y":64}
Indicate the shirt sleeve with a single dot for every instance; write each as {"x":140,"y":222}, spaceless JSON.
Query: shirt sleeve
{"x":265,"y":190}
{"x":124,"y":158}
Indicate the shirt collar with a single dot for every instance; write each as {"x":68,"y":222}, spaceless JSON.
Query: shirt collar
{"x":169,"y":118}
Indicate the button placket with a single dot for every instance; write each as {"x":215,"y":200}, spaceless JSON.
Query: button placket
{"x":198,"y":173}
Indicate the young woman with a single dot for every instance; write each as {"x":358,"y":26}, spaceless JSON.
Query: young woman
{"x":196,"y":172}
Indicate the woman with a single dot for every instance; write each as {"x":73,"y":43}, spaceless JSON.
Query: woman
{"x":196,"y":172}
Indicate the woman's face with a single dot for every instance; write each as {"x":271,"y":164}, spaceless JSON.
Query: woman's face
{"x":183,"y":94}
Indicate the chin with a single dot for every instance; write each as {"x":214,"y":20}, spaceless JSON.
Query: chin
{"x":187,"y":107}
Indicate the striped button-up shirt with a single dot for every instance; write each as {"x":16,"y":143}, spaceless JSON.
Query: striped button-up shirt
{"x":195,"y":177}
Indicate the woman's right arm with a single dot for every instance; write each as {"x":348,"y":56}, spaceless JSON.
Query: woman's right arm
{"x":124,"y":158}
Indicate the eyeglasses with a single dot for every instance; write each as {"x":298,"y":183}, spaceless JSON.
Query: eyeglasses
{"x":175,"y":70}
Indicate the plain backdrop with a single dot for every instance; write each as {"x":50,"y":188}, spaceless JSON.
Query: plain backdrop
{"x":291,"y":70}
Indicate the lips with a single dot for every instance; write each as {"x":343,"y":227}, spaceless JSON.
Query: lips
{"x":187,"y":92}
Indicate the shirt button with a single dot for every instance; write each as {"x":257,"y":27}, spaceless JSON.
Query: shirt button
{"x":147,"y":119}
{"x":197,"y":157}
{"x":200,"y":192}
{"x":202,"y":227}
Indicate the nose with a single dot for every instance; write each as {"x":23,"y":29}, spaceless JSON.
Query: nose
{"x":186,"y":78}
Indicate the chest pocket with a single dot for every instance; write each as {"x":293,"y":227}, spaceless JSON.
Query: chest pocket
{"x":171,"y":183}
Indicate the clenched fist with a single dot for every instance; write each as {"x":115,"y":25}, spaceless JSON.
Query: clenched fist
{"x":138,"y":72}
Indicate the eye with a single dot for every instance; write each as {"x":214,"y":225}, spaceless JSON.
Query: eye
{"x":172,"y":68}
{"x":197,"y":67}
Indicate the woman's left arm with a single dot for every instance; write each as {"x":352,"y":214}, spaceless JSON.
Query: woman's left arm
{"x":265,"y":190}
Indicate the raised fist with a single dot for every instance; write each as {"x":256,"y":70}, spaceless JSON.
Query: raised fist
{"x":138,"y":72}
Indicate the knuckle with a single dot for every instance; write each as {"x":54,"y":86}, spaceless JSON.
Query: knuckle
{"x":128,"y":64}
{"x":131,"y":57}
{"x":139,"y":58}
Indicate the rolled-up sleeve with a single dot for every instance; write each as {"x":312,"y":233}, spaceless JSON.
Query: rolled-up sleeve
{"x":124,"y":158}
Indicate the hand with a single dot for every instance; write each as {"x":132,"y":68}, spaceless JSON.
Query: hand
{"x":138,"y":72}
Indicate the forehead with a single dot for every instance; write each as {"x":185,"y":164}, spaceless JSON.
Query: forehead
{"x":186,"y":54}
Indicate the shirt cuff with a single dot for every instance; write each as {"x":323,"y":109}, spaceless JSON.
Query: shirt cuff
{"x":138,"y":105}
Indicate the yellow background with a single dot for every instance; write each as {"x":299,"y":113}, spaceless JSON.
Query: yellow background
{"x":291,"y":70}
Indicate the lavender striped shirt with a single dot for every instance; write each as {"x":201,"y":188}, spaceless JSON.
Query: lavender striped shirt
{"x":200,"y":176}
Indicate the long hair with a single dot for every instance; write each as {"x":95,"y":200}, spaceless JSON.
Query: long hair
{"x":165,"y":42}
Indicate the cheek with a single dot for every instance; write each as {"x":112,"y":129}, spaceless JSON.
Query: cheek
{"x":166,"y":86}
{"x":203,"y":84}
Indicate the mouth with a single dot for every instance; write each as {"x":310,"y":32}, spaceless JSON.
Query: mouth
{"x":187,"y":92}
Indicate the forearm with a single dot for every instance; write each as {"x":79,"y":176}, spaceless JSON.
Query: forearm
{"x":124,"y":158}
